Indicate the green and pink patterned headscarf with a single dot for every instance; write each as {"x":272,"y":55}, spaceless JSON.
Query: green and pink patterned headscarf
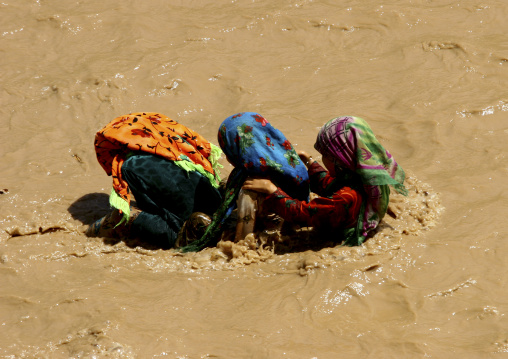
{"x":350,"y":143}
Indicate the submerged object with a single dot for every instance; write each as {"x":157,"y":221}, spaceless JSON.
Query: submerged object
{"x":247,"y":204}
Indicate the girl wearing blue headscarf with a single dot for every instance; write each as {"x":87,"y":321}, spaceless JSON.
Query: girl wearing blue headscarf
{"x":256,"y":149}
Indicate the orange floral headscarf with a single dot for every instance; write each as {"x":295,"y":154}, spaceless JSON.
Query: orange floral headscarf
{"x":157,"y":134}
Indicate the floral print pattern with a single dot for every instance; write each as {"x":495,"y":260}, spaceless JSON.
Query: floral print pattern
{"x":255,"y":148}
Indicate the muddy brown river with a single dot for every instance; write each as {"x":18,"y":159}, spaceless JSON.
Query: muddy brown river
{"x":431,"y":79}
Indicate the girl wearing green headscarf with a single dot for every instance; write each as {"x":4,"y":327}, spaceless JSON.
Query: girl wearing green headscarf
{"x":354,"y":192}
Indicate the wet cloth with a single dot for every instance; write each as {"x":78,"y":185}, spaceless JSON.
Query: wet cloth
{"x":336,"y":209}
{"x":167,"y":196}
{"x":255,"y":148}
{"x":157,"y":134}
{"x":350,"y":143}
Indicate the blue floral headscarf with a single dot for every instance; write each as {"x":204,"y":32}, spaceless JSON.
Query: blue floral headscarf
{"x":255,"y":148}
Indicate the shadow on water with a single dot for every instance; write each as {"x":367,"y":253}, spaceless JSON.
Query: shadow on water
{"x":92,"y":207}
{"x":309,"y":239}
{"x":305,"y":240}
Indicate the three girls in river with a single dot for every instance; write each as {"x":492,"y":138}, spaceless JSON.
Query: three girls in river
{"x":353,"y":190}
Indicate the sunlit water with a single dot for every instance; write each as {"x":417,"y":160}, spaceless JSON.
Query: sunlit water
{"x":430,"y":78}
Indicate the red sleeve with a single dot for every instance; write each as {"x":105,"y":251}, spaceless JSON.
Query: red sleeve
{"x":340,"y":211}
{"x":320,"y":180}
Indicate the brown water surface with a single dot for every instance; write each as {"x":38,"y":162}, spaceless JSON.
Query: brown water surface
{"x":430,"y":78}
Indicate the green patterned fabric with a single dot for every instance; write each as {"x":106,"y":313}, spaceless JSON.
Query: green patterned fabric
{"x":350,"y":143}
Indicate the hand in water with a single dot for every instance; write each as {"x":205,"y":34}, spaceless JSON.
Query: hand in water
{"x":259,"y":185}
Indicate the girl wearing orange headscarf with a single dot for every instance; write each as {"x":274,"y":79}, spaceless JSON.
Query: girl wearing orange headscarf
{"x":170,"y":170}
